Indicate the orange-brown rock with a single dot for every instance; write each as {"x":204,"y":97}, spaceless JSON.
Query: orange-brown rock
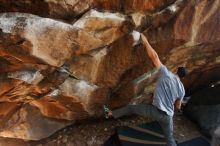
{"x":100,"y":29}
{"x":7,"y":109}
{"x":105,"y":67}
{"x":132,"y":5}
{"x":61,"y":9}
{"x":59,"y":107}
{"x":8,"y":84}
{"x":91,"y":96}
{"x":29,"y":123}
{"x":54,"y":73}
{"x":55,"y":42}
{"x":71,"y":9}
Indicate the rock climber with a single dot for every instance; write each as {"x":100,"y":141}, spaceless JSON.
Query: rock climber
{"x":168,"y":95}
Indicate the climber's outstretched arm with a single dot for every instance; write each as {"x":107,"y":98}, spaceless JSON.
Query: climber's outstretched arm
{"x":151,"y":52}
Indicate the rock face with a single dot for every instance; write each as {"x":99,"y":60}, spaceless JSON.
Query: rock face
{"x":65,"y":9}
{"x":60,"y":61}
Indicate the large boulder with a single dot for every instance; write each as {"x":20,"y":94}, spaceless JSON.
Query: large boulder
{"x":60,"y":9}
{"x":105,"y":67}
{"x":204,"y":109}
{"x":25,"y":123}
{"x":40,"y":37}
{"x":55,"y":72}
{"x":70,"y":10}
{"x":55,"y":42}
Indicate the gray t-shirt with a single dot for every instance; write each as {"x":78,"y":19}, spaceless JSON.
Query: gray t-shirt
{"x":168,"y":89}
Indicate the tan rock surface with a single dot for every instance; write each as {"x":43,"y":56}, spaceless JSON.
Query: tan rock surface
{"x":57,"y":72}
